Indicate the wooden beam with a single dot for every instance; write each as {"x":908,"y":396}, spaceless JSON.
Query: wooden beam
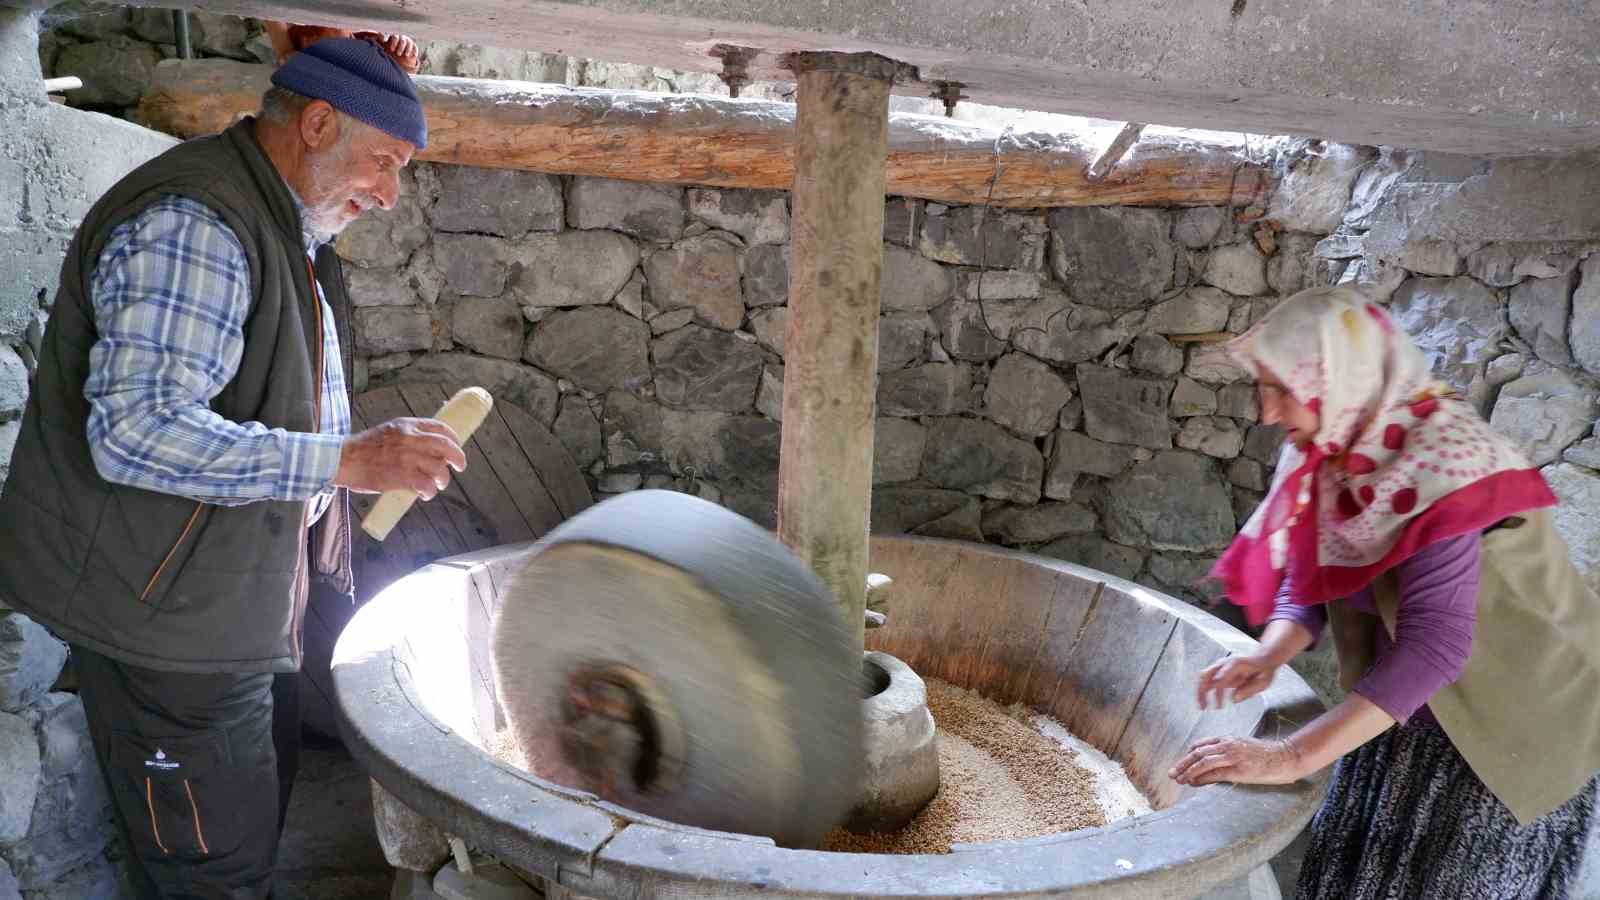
{"x":723,"y":142}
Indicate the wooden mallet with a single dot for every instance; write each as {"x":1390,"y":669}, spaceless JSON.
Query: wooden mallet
{"x":463,"y":412}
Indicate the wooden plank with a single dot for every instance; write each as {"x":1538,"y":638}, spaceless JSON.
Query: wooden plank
{"x":689,"y":139}
{"x":1119,"y":648}
{"x":517,"y":471}
{"x":1041,"y":680}
{"x":557,"y":472}
{"x":380,"y":406}
{"x":921,"y":574}
{"x":495,"y":519}
{"x":377,"y":565}
{"x":982,"y":612}
{"x":1158,"y":731}
{"x":1022,"y":607}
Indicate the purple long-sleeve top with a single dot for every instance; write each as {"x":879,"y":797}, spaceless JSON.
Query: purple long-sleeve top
{"x":1438,"y":589}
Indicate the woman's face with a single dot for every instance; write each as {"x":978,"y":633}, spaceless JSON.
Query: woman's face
{"x":1279,"y":407}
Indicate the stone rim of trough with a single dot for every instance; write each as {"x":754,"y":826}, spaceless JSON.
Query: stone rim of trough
{"x":574,"y":839}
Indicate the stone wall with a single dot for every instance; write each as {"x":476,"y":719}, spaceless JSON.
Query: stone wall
{"x":1047,"y":380}
{"x":55,"y":814}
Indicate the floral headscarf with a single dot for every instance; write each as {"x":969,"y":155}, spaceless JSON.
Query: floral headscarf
{"x":1398,"y":462}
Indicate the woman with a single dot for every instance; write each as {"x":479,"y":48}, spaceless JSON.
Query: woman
{"x":289,"y":38}
{"x":1469,"y":647}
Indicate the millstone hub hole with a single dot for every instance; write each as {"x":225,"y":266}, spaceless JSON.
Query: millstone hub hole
{"x":617,"y":731}
{"x":874,"y":680}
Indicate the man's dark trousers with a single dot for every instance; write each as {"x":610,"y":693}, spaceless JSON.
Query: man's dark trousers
{"x":200,"y":767}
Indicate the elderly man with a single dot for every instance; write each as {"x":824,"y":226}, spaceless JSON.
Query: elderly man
{"x":178,"y":489}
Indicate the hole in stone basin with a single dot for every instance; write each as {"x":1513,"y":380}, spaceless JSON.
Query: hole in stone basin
{"x":874,"y":680}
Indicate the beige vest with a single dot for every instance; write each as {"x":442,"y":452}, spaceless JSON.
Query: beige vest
{"x":1525,"y":712}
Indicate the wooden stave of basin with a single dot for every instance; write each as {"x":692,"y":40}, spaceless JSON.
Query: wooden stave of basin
{"x":1013,"y":625}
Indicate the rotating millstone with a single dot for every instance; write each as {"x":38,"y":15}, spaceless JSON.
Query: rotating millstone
{"x":674,"y":658}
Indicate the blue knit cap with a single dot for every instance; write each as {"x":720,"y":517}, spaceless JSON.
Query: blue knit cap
{"x":360,"y":80}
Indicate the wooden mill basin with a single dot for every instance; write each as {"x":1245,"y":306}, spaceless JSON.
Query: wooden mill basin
{"x":1115,"y":662}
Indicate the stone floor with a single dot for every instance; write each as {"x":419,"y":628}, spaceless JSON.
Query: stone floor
{"x":329,"y":850}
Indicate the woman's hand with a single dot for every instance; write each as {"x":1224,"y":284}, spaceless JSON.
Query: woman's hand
{"x":1240,"y":761}
{"x":1245,"y":676}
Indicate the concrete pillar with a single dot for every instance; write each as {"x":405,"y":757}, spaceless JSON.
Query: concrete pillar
{"x":831,"y":347}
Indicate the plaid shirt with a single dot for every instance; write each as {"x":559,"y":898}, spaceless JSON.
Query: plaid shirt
{"x":170,"y":291}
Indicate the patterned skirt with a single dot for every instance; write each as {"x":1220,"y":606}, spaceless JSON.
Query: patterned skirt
{"x":1406,"y":819}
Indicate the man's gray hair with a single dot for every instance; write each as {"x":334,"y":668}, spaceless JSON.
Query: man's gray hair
{"x":281,"y":106}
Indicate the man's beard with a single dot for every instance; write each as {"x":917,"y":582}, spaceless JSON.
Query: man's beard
{"x":326,"y":217}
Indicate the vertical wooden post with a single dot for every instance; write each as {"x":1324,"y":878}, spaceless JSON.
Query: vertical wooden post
{"x":831,"y":346}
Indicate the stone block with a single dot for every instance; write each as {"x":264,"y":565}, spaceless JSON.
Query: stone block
{"x":769,"y":396}
{"x":766,"y":275}
{"x":1239,"y":401}
{"x":1052,"y":329}
{"x":981,"y":284}
{"x":1097,"y":553}
{"x":379,"y":287}
{"x":1212,"y":435}
{"x":897,"y":449}
{"x":1539,"y":310}
{"x":115,"y":72}
{"x":903,"y":339}
{"x":1212,"y":364}
{"x":1578,"y":492}
{"x":758,"y":217}
{"x":19,"y":777}
{"x":1426,"y":257}
{"x":671,"y":321}
{"x":1200,"y":227}
{"x":702,"y":368}
{"x":391,"y":329}
{"x":649,"y":211}
{"x":1494,"y":265}
{"x":1457,"y":322}
{"x":386,"y":238}
{"x":578,"y":430}
{"x":574,"y":268}
{"x":505,"y":202}
{"x":980,"y":458}
{"x":472,"y":264}
{"x":490,"y":325}
{"x":702,"y":273}
{"x":926,"y":511}
{"x":1295,"y":266}
{"x":966,"y":334}
{"x":1071,"y":415}
{"x":991,"y":238}
{"x":1112,"y":257}
{"x":1248,"y":474}
{"x":8,"y":883}
{"x":1584,"y":453}
{"x":1239,"y":269}
{"x":1545,"y":413}
{"x":1196,"y":311}
{"x":1025,"y":395}
{"x":1076,"y":454}
{"x":1155,"y":354}
{"x":1585,"y":330}
{"x":1174,"y":501}
{"x":97,"y":879}
{"x":527,"y":387}
{"x":1016,"y":525}
{"x":771,"y":325}
{"x":1125,"y":409}
{"x":1315,"y":193}
{"x":933,"y":389}
{"x":409,"y":841}
{"x":13,"y":383}
{"x":596,"y":347}
{"x":902,"y":221}
{"x":71,"y":823}
{"x":1262,"y":443}
{"x":9,"y":432}
{"x":910,"y":281}
{"x":96,"y":22}
{"x":30,"y":660}
{"x":31,"y":259}
{"x":1190,"y":398}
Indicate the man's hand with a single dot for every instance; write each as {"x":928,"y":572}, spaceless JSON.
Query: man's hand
{"x":401,"y":455}
{"x":1240,"y":761}
{"x":1246,"y":676}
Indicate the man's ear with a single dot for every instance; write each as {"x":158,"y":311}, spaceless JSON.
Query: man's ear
{"x":319,"y":125}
